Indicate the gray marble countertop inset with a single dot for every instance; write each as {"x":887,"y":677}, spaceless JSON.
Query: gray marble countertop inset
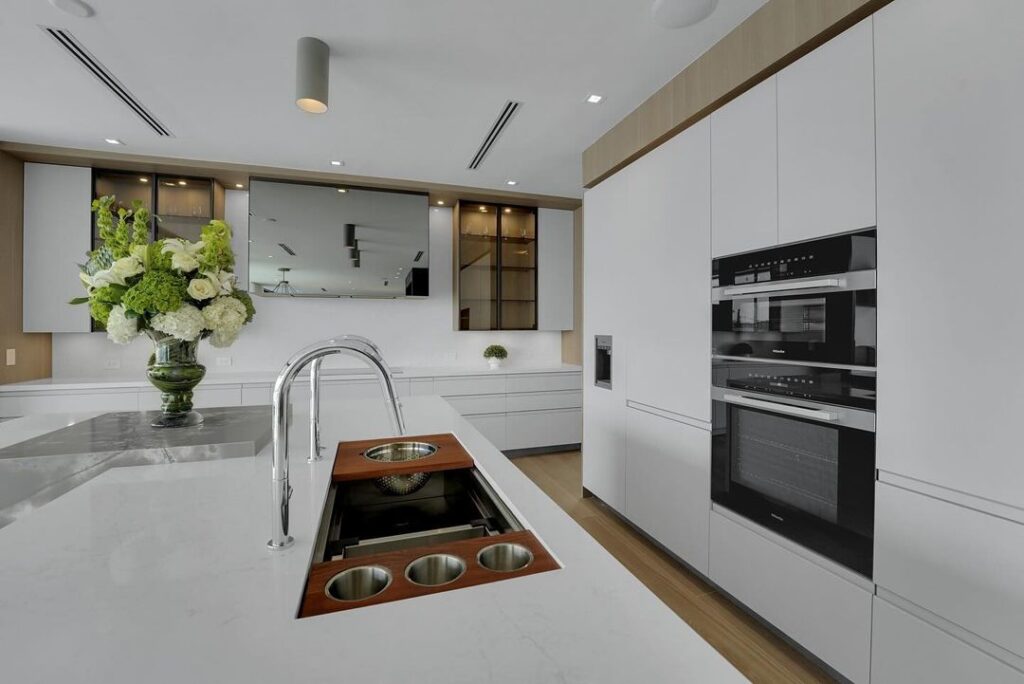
{"x":38,"y":470}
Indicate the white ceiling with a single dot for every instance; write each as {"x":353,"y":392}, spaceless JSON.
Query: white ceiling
{"x":415,"y":84}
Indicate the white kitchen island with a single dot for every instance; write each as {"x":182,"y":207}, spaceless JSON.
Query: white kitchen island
{"x":160,"y":573}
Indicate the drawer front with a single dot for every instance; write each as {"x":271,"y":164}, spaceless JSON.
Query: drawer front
{"x":823,"y":612}
{"x":470,"y":384}
{"x":477,"y":405}
{"x":541,"y":401}
{"x":419,"y":387}
{"x":545,"y":382}
{"x":535,"y":429}
{"x":69,"y":402}
{"x":961,"y":564}
{"x":908,"y":649}
{"x":492,"y":427}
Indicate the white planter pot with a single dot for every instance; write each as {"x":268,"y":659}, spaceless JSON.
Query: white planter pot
{"x":495,"y":364}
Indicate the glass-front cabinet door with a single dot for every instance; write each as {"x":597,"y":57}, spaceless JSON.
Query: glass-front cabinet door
{"x":497,"y":267}
{"x":184,"y":205}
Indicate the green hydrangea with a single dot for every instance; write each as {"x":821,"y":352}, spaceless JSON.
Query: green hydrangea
{"x":243,"y":296}
{"x":157,"y":292}
{"x":109,"y":294}
{"x":100,"y":310}
{"x":216,"y":254}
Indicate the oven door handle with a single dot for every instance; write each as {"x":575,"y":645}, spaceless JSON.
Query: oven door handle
{"x":796,"y":411}
{"x":820,"y":284}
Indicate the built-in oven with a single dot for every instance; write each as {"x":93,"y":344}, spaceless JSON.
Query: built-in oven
{"x":811,"y":301}
{"x":793,"y":449}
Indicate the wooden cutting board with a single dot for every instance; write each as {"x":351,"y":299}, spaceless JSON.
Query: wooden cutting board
{"x":350,"y":463}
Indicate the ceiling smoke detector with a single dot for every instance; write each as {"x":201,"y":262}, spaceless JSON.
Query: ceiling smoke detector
{"x":680,"y":13}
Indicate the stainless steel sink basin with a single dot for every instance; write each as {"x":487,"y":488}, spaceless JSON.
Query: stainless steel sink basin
{"x":395,"y":452}
{"x":504,"y":557}
{"x":359,"y":583}
{"x":435,"y":569}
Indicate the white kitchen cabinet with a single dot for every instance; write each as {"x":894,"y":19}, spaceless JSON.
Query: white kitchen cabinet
{"x":604,"y":410}
{"x":950,"y":90}
{"x":827,"y":138}
{"x":667,"y":272}
{"x":57,"y":236}
{"x":492,"y":427}
{"x":555,"y":249}
{"x":961,"y":564}
{"x":745,"y":172}
{"x":908,"y":649}
{"x":823,"y":612}
{"x":536,"y":429}
{"x":668,"y":495}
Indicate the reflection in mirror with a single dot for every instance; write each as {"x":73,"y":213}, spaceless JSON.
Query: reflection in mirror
{"x":330,"y":241}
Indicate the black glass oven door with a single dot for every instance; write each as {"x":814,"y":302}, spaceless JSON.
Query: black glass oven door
{"x":812,"y":481}
{"x":834,"y":327}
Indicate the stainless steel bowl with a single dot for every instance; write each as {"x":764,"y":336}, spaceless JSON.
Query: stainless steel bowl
{"x":359,"y":583}
{"x":504,"y":557}
{"x":396,"y":452}
{"x":435,"y":570}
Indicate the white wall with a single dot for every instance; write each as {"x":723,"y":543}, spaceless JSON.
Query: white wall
{"x":410,"y":332}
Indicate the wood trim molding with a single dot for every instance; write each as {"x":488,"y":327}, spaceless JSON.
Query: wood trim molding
{"x":229,"y":174}
{"x":774,"y":36}
{"x":572,"y":340}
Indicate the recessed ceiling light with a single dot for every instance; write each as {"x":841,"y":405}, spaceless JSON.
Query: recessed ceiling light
{"x":75,"y":8}
{"x":113,"y":141}
{"x":342,"y":190}
{"x":182,"y":183}
{"x":483,"y":209}
{"x":594,"y":99}
{"x":507,"y":210}
{"x":239,"y":185}
{"x":440,"y":203}
{"x":337,"y":162}
{"x":143,"y":179}
{"x":511,"y":182}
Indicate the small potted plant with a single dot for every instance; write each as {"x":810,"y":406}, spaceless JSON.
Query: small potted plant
{"x":494,"y":355}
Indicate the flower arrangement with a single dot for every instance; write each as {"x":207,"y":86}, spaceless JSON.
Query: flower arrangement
{"x":175,"y":291}
{"x":172,"y":287}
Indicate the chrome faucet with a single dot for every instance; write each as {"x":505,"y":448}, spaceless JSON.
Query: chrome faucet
{"x":353,"y":345}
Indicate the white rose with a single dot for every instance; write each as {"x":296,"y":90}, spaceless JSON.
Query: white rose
{"x":120,"y":328}
{"x":202,"y":288}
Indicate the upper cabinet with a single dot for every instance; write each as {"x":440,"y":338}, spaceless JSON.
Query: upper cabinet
{"x":56,"y":228}
{"x":555,"y":250}
{"x":744,"y":172}
{"x":667,"y":271}
{"x":826,"y":122}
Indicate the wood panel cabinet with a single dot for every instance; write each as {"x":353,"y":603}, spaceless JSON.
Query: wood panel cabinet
{"x":827,"y":138}
{"x":668,"y":470}
{"x":950,"y":90}
{"x":667,"y":273}
{"x":745,"y":172}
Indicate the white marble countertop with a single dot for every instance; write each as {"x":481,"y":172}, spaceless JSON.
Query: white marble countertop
{"x":159,"y":573}
{"x":138,"y":380}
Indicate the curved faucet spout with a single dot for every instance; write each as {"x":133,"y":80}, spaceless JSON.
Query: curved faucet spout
{"x":353,"y":345}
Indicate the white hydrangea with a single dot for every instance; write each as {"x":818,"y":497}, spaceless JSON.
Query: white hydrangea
{"x":224,"y":317}
{"x":185,"y":324}
{"x":120,"y":328}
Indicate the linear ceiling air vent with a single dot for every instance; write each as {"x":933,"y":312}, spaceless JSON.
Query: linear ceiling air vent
{"x":83,"y":56}
{"x":509,"y":110}
{"x":288,"y":250}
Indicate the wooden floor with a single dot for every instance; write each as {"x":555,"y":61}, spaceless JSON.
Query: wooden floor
{"x":752,"y":649}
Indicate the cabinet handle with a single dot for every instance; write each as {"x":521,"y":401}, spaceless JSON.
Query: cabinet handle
{"x":830,"y":283}
{"x":797,"y":411}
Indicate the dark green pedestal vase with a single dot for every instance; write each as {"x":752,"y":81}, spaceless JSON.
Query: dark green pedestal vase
{"x":174,"y":371}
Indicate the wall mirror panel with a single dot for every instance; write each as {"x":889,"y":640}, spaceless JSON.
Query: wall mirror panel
{"x":336,"y":241}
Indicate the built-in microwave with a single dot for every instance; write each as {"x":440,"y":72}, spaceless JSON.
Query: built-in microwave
{"x":793,"y":449}
{"x":807,"y":302}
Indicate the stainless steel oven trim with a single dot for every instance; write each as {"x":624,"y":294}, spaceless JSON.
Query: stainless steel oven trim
{"x":840,"y":282}
{"x":786,"y":362}
{"x":840,"y":416}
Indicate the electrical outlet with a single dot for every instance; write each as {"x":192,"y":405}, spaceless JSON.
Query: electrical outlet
{"x":223,"y":361}
{"x":12,"y":357}
{"x":112,"y":364}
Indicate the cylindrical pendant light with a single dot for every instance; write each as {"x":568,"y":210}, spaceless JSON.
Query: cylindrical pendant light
{"x":312,"y":72}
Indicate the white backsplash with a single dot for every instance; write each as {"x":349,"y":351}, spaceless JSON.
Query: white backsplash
{"x":410,"y":332}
